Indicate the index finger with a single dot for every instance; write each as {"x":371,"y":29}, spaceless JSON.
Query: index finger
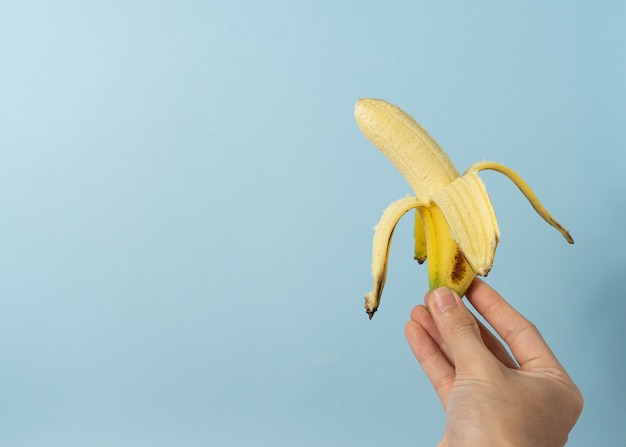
{"x":526,"y":343}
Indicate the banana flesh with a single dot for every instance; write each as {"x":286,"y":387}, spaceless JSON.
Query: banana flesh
{"x":456,"y":228}
{"x":410,"y":148}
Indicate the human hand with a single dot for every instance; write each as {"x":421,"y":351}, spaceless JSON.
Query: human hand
{"x":489,"y":398}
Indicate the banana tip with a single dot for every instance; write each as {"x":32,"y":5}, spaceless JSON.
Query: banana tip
{"x":371,"y":304}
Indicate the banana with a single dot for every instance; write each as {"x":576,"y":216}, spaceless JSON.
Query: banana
{"x":456,"y":228}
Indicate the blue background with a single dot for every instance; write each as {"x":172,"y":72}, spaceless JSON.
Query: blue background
{"x":186,"y":211}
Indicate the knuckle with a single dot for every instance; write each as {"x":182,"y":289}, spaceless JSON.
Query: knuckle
{"x":462,"y":326}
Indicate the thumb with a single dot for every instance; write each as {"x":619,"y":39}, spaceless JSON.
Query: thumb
{"x":458,"y":327}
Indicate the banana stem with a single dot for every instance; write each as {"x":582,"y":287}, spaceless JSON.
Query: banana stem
{"x":526,"y":190}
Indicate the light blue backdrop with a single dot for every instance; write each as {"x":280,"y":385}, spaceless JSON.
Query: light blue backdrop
{"x":186,"y":211}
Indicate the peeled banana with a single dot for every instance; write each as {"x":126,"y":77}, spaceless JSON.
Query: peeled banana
{"x":455,"y":224}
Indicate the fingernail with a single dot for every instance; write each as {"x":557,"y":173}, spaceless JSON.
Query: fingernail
{"x":442,"y":299}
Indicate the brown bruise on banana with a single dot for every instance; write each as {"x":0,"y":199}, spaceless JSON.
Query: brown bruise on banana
{"x":459,"y":269}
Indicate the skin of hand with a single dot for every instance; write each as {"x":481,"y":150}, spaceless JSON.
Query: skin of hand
{"x":489,"y":398}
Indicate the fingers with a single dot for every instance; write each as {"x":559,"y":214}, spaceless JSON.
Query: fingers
{"x":421,"y":316}
{"x":460,"y":332}
{"x":448,"y":340}
{"x":438,"y":369}
{"x":525,"y":341}
{"x":496,"y":347}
